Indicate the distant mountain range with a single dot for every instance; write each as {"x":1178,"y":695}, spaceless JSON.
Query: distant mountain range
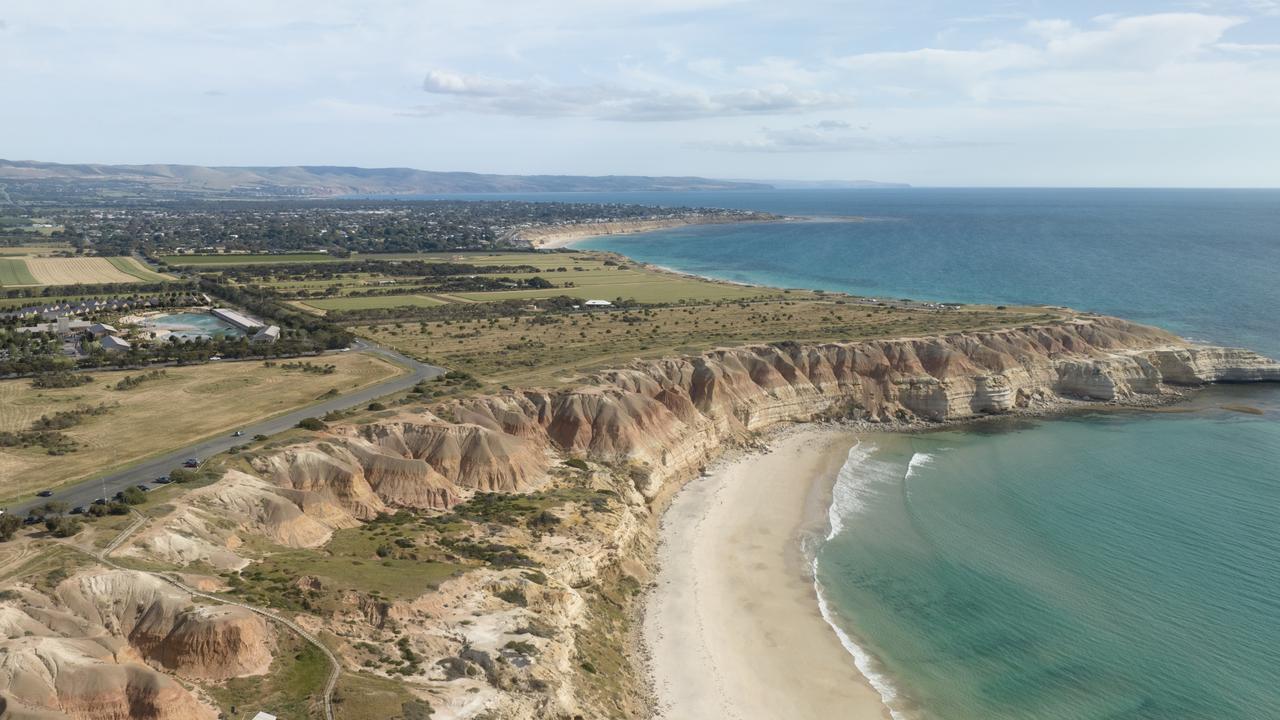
{"x":41,"y":180}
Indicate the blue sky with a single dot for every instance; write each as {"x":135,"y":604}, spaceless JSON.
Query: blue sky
{"x":931,"y":93}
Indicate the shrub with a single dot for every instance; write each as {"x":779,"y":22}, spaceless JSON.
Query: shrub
{"x":312,"y":424}
{"x":375,"y":406}
{"x":577,"y":463}
{"x":133,"y":496}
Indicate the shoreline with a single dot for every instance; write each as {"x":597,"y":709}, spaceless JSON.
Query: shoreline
{"x":735,"y":602}
{"x":564,"y":236}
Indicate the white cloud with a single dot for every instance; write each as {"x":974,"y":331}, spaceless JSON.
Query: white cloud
{"x":658,"y":101}
{"x":832,"y":136}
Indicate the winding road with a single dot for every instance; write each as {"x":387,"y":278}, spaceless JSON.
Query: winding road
{"x":86,"y":491}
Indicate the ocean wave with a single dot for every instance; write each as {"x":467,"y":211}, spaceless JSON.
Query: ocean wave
{"x":849,"y":497}
{"x":861,"y":658}
{"x":846,"y":495}
{"x":918,"y":460}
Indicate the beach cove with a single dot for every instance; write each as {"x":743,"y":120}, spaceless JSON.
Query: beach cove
{"x":733,"y":626}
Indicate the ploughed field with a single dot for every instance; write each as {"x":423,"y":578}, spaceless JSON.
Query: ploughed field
{"x":160,"y":413}
{"x":31,"y":270}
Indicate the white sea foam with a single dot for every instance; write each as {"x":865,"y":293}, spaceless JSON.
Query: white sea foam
{"x":918,"y":460}
{"x":848,"y":497}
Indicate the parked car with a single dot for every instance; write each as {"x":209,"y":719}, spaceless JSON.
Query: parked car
{"x":191,"y":462}
{"x":79,"y":510}
{"x":31,"y":520}
{"x":162,"y":480}
{"x":100,"y":501}
{"x":144,"y":488}
{"x":238,"y":433}
{"x":45,"y":493}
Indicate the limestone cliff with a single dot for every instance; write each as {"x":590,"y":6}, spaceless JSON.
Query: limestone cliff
{"x":667,"y":417}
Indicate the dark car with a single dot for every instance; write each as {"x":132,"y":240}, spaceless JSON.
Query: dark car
{"x":191,"y":462}
{"x":162,"y":480}
{"x":143,"y":488}
{"x":79,"y":510}
{"x":31,"y":520}
{"x":100,"y":501}
{"x":45,"y":493}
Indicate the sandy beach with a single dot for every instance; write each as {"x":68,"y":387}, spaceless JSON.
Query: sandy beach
{"x":733,"y":628}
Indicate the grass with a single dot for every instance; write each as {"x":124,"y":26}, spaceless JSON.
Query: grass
{"x":276,"y":259}
{"x":598,"y":276}
{"x":552,"y":349}
{"x":350,"y":561}
{"x":292,"y":688}
{"x":376,"y":301}
{"x":368,"y":697}
{"x":186,"y":404}
{"x":131,"y":266}
{"x":14,"y":272}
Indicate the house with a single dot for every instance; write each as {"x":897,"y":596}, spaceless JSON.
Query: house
{"x":98,"y":330}
{"x":267,"y":334}
{"x":112,"y":343}
{"x":264,"y":716}
{"x":598,"y":303}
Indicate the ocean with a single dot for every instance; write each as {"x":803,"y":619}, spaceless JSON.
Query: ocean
{"x":1117,"y":565}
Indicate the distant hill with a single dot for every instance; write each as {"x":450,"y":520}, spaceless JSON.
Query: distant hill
{"x":29,"y":180}
{"x":832,"y":184}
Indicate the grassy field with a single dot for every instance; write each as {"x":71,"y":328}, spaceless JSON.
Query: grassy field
{"x":14,"y":273}
{"x":590,"y":276}
{"x":187,"y":404}
{"x":557,"y":348}
{"x":275,"y":259}
{"x":131,"y":266}
{"x":377,"y":301}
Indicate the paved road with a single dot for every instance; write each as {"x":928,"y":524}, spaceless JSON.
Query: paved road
{"x":84,"y":493}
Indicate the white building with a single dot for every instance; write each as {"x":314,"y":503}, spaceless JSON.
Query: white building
{"x":267,"y":334}
{"x":244,"y":322}
{"x":598,"y":303}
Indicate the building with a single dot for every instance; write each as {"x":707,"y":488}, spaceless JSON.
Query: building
{"x":98,"y":330}
{"x":244,"y":322}
{"x":72,"y":326}
{"x":268,"y":334}
{"x":264,"y":716}
{"x":112,"y":343}
{"x":598,"y":303}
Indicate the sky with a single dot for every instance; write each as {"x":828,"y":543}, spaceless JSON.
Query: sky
{"x":932,"y":92}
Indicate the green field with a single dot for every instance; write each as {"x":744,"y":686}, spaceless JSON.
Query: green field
{"x":377,"y":301}
{"x":130,"y":266}
{"x":14,"y":272}
{"x":273,"y":259}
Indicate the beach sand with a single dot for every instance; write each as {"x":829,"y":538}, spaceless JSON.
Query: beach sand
{"x":733,"y":628}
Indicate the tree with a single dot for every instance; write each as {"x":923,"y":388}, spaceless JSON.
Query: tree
{"x":9,"y":525}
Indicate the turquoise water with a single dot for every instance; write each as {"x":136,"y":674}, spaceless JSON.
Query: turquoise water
{"x":191,"y":325}
{"x":1105,"y":566}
